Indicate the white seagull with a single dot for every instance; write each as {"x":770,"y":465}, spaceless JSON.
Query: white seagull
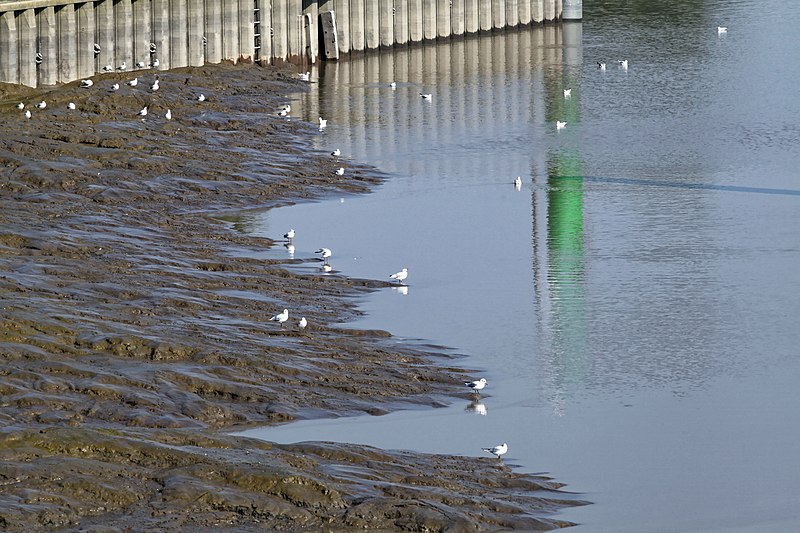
{"x":86,"y":83}
{"x":20,"y":106}
{"x":123,"y":66}
{"x":283,"y":113}
{"x":325,"y":253}
{"x":168,"y":115}
{"x":323,"y":122}
{"x":42,"y":104}
{"x":426,"y":96}
{"x":289,"y":235}
{"x":71,"y":106}
{"x":567,"y":93}
{"x":623,"y":63}
{"x":476,"y":385}
{"x":115,"y":87}
{"x":154,"y":87}
{"x":340,"y":171}
{"x":27,"y":113}
{"x":497,"y":450}
{"x":560,"y":125}
{"x":134,"y":82}
{"x":201,"y":98}
{"x":302,"y":324}
{"x":518,"y":183}
{"x":108,"y":68}
{"x":305,"y":76}
{"x":393,"y":85}
{"x":601,"y":66}
{"x":721,"y":30}
{"x":140,"y":64}
{"x":336,"y":153}
{"x":400,"y":276}
{"x":143,"y":112}
{"x":281,"y":317}
{"x":155,"y":63}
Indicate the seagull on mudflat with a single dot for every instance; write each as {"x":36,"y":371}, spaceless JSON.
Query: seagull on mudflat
{"x":567,"y":93}
{"x":134,"y":82}
{"x":400,"y":276}
{"x":168,"y":115}
{"x":302,"y":324}
{"x":476,"y":385}
{"x":123,"y":66}
{"x":86,"y":83}
{"x":283,"y":113}
{"x":42,"y":104}
{"x":71,"y":106}
{"x":140,"y":64}
{"x":323,"y":122}
{"x":340,"y":171}
{"x":201,"y":98}
{"x":623,"y":63}
{"x":143,"y":112}
{"x":325,"y":253}
{"x":108,"y":68}
{"x":115,"y":87}
{"x":281,"y":317}
{"x":154,"y":87}
{"x":289,"y":235}
{"x":601,"y":66}
{"x":336,"y":153}
{"x":20,"y":106}
{"x":27,"y":113}
{"x":497,"y":450}
{"x":155,"y":63}
{"x":560,"y":125}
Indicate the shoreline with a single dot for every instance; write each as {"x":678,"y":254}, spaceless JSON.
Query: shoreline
{"x":132,"y":336}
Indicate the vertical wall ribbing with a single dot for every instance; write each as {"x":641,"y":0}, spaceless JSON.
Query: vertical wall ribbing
{"x":178,"y":41}
{"x":524,"y":11}
{"x":457,"y":22}
{"x":342,"y":11}
{"x":415,"y":25}
{"x":537,"y":10}
{"x":512,"y":13}
{"x":196,"y":15}
{"x":47,"y":72}
{"x":357,"y":25}
{"x":123,"y":38}
{"x":312,"y":41}
{"x":161,"y":32}
{"x":401,"y":21}
{"x":213,"y":31}
{"x":67,"y":43}
{"x":9,"y":48}
{"x":387,"y":23}
{"x":428,"y":19}
{"x":246,"y":32}
{"x":265,"y":7}
{"x":28,"y":36}
{"x":294,"y":26}
{"x":84,"y":14}
{"x":280,"y":15}
{"x":372,"y":24}
{"x":442,"y":18}
{"x":485,"y":15}
{"x":471,"y":16}
{"x":498,"y":14}
{"x":142,"y":31}
{"x":230,"y":30}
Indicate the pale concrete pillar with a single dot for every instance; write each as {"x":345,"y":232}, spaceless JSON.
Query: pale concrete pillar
{"x":265,"y":11}
{"x":280,"y":43}
{"x":524,"y":13}
{"x":161,"y":32}
{"x":246,"y":33}
{"x":311,"y":8}
{"x":213,"y":31}
{"x":104,"y":26}
{"x":485,"y":15}
{"x":342,"y":10}
{"x":428,"y":19}
{"x":196,"y":30}
{"x":123,"y":41}
{"x":498,"y":14}
{"x":537,"y":10}
{"x":294,"y":25}
{"x":442,"y":18}
{"x":357,"y":25}
{"x":471,"y":16}
{"x":142,"y":31}
{"x":572,"y":10}
{"x":387,"y":16}
{"x":9,"y":47}
{"x":67,"y":43}
{"x":372,"y":36}
{"x":178,"y":42}
{"x":549,"y":10}
{"x":415,"y":25}
{"x":84,"y":14}
{"x":47,"y":73}
{"x":28,"y":35}
{"x":457,"y":22}
{"x":512,"y":13}
{"x":230,"y":29}
{"x":400,"y":22}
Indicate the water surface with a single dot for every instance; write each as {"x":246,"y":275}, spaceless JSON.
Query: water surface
{"x":634,"y":306}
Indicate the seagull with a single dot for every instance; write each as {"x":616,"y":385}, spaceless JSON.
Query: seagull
{"x":476,"y":385}
{"x":393,"y":85}
{"x":108,"y":68}
{"x":143,"y":112}
{"x":283,"y":113}
{"x":323,"y":122}
{"x":168,"y":115}
{"x":325,"y":253}
{"x":155,"y":63}
{"x":567,"y":93}
{"x":27,"y":113}
{"x":289,"y":235}
{"x":96,"y":48}
{"x":201,"y":98}
{"x":340,"y":171}
{"x":71,"y":105}
{"x":42,"y":104}
{"x":86,"y":83}
{"x":518,"y":183}
{"x":427,"y":96}
{"x":560,"y":125}
{"x":721,"y":30}
{"x":115,"y":87}
{"x":497,"y":450}
{"x":20,"y":106}
{"x":601,"y":66}
{"x":123,"y":66}
{"x":305,"y":76}
{"x":154,"y":87}
{"x":623,"y":63}
{"x":281,"y":317}
{"x":302,"y":324}
{"x":140,"y":64}
{"x":400,"y":276}
{"x":134,"y":82}
{"x":287,"y":108}
{"x":336,"y":153}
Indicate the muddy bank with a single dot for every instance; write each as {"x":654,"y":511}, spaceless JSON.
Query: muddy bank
{"x":134,"y":328}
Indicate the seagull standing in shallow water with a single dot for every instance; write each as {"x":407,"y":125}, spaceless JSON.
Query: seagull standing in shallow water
{"x":400,"y":276}
{"x":601,"y":66}
{"x":426,"y":96}
{"x":168,"y":116}
{"x":518,"y":183}
{"x":115,"y":87}
{"x":154,"y":87}
{"x":340,"y":171}
{"x":201,"y":98}
{"x":134,"y":82}
{"x":305,"y":76}
{"x":623,"y":63}
{"x":567,"y":93}
{"x":281,"y":317}
{"x":323,"y":122}
{"x":336,"y":153}
{"x":325,"y":253}
{"x":20,"y":106}
{"x":497,"y":450}
{"x":476,"y":385}
{"x":721,"y":30}
{"x":289,"y":235}
{"x":27,"y":113}
{"x":86,"y":83}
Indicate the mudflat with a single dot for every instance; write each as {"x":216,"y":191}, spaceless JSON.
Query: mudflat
{"x":135,"y":328}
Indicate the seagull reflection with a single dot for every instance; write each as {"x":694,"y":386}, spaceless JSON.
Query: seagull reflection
{"x":402,"y":289}
{"x":290,"y":249}
{"x":476,"y":407}
{"x":326,"y":267}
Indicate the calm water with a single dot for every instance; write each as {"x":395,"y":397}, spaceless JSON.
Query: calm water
{"x":635,"y":305}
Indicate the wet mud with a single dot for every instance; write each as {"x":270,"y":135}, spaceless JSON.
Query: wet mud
{"x":135,"y":332}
